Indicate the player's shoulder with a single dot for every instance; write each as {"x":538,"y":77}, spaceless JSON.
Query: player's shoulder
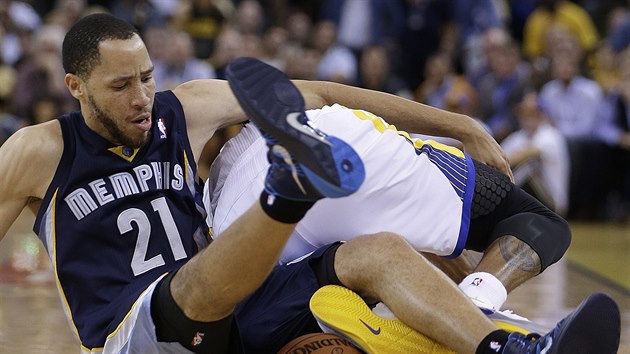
{"x":29,"y":158}
{"x":206,"y":89}
{"x":39,"y":142}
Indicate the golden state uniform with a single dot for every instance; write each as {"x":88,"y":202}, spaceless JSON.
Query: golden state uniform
{"x":421,"y":190}
{"x":115,"y":219}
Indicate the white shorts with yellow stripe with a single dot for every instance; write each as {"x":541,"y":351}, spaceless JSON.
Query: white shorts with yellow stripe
{"x":421,"y":190}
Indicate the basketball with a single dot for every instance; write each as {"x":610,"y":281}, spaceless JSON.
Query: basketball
{"x":319,"y":343}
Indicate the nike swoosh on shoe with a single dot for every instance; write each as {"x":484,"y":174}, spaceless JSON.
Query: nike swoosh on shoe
{"x":374,"y":331}
{"x":292,"y":119}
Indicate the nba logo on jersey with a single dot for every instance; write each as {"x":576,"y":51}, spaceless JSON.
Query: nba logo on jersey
{"x":197,"y":339}
{"x":476,"y":282}
{"x":162,"y":128}
{"x":496,"y":346}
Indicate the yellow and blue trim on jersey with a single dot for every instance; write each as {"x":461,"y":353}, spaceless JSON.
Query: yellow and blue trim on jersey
{"x":456,"y":166}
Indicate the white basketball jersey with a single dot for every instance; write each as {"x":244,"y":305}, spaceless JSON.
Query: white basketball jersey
{"x":419,"y":189}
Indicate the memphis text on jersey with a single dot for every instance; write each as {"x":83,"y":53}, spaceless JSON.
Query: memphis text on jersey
{"x":152,"y":176}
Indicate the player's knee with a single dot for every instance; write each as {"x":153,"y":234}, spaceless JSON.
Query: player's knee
{"x":382,"y":244}
{"x":547,"y":234}
{"x":361,"y":261}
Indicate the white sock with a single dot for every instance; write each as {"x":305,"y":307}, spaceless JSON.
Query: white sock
{"x":485,"y":290}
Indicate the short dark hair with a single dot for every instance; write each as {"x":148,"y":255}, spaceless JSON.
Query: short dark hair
{"x":80,"y":50}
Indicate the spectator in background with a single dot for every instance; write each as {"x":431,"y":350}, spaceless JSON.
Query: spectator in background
{"x":519,"y":12}
{"x":45,"y":108}
{"x":573,"y":103}
{"x":203,"y":20}
{"x":299,"y":27}
{"x":66,"y":12}
{"x":300,"y":62}
{"x":154,"y":38}
{"x":7,"y":81}
{"x":472,"y":18}
{"x":539,"y":156}
{"x":564,"y":13}
{"x":140,"y":13}
{"x":500,"y":83}
{"x":614,"y":130}
{"x":40,"y":73}
{"x":273,"y":40}
{"x":228,"y":46}
{"x":604,"y":69}
{"x":444,"y":89}
{"x":365,"y":22}
{"x":571,"y":100}
{"x":9,"y":123}
{"x":337,"y":63}
{"x":18,"y":21}
{"x":249,"y":18}
{"x":428,"y":28}
{"x":375,"y":72}
{"x":178,"y":63}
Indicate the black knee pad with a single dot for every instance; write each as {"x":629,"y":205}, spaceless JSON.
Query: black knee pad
{"x":172,"y":325}
{"x":491,"y":189}
{"x":547,"y":234}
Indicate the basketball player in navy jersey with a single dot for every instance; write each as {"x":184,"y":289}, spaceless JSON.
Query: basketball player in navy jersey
{"x":113,"y":187}
{"x":114,"y":191}
{"x":117,"y":206}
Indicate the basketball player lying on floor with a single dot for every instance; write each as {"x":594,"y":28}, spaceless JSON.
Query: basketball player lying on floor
{"x":380,"y":267}
{"x":435,"y":196}
{"x":114,"y":228}
{"x":114,"y":190}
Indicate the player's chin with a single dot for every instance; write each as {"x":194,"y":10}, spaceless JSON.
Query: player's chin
{"x":138,"y":140}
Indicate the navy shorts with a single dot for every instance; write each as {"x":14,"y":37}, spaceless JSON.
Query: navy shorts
{"x":278,"y":311}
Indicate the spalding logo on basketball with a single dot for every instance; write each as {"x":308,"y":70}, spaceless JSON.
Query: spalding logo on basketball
{"x":319,"y":343}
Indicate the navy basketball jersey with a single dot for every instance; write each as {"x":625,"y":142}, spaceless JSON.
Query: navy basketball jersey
{"x":115,"y":218}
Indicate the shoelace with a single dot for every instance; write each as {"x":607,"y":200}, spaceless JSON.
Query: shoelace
{"x":527,"y":344}
{"x":538,"y":344}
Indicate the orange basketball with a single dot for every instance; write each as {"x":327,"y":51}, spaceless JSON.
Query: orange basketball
{"x":319,"y":343}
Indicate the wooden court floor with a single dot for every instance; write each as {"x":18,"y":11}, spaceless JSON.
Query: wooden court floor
{"x":32,"y":320}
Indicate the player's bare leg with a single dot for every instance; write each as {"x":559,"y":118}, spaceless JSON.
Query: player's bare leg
{"x":306,"y":166}
{"x":509,"y":259}
{"x":417,"y":292}
{"x":385,"y":267}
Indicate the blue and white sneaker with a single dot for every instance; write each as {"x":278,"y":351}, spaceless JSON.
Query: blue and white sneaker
{"x":594,"y":327}
{"x":318,"y":164}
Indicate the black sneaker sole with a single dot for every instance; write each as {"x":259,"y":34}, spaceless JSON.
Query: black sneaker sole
{"x":276,"y":107}
{"x":593,"y":328}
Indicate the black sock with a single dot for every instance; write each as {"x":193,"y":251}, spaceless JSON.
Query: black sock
{"x":493,"y":343}
{"x":284,"y":210}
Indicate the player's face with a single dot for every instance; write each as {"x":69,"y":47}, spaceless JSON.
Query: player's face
{"x":120,"y":91}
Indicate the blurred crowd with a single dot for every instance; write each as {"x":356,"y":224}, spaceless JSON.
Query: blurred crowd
{"x":549,"y":79}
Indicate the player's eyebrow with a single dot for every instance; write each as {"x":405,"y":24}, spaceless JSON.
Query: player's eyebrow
{"x":127,"y":77}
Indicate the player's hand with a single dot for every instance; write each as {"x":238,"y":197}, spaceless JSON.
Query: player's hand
{"x":482,"y":147}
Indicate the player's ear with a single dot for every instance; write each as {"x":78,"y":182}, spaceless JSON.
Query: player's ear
{"x":75,"y":85}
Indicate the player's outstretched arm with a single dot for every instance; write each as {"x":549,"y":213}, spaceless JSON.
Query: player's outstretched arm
{"x":28,"y":160}
{"x":210,"y":105}
{"x":412,"y":117}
